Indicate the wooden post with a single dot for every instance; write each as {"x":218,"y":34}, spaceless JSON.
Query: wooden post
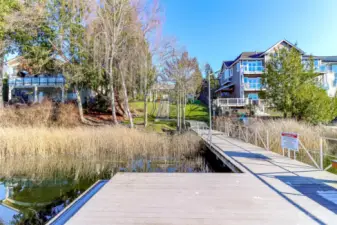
{"x":35,"y":94}
{"x":247,"y":139}
{"x":268,"y":140}
{"x":256,"y":136}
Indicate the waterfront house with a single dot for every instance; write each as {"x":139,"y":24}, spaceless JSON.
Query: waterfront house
{"x":240,"y":79}
{"x":30,"y":88}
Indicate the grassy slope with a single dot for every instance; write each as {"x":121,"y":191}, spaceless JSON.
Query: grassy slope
{"x":193,"y":112}
{"x":153,"y":125}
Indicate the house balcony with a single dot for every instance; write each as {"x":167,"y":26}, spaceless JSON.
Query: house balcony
{"x":249,"y":69}
{"x":227,"y":80}
{"x":237,"y":102}
{"x":253,"y":86}
{"x":18,"y":82}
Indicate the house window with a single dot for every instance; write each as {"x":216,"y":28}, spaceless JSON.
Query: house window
{"x":334,"y":70}
{"x":253,"y":96}
{"x":238,"y":67}
{"x":252,"y":83}
{"x":226,"y":73}
{"x":252,"y":65}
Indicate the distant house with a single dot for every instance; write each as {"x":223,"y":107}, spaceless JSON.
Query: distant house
{"x":240,"y":79}
{"x":30,"y":88}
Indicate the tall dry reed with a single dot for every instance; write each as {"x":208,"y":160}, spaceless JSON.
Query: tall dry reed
{"x":45,"y":151}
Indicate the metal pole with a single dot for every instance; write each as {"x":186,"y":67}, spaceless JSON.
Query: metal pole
{"x":209,"y":110}
{"x":321,"y":152}
{"x":295,"y":155}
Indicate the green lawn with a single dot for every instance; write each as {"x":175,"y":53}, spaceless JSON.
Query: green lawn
{"x":156,"y":126}
{"x":193,"y":112}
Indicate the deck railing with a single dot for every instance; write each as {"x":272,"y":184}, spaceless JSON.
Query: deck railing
{"x":36,"y":81}
{"x":238,"y":102}
{"x":232,"y":102}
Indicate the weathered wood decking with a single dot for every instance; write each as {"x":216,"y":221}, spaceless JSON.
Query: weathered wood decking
{"x":271,"y":190}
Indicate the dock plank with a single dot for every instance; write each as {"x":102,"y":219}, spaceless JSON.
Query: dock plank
{"x":271,"y":190}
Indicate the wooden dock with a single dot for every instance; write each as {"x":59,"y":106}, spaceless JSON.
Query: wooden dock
{"x":271,"y":189}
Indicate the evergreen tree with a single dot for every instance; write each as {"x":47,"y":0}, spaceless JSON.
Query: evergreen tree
{"x":294,"y":89}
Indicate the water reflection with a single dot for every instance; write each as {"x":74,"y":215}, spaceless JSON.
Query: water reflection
{"x":41,"y":196}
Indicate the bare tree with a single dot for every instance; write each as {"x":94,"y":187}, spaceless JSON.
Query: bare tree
{"x":184,"y":72}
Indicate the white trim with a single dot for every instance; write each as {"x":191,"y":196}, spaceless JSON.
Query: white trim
{"x":284,"y":40}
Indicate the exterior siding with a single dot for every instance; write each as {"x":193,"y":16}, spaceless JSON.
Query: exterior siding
{"x":236,"y":82}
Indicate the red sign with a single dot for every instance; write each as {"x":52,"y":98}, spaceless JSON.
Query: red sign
{"x":291,"y":135}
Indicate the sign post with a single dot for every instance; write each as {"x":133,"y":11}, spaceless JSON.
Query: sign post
{"x":290,"y":142}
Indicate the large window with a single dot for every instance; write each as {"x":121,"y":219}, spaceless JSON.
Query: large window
{"x":226,"y":73}
{"x":252,"y":83}
{"x":317,"y":65}
{"x":334,"y":70}
{"x":253,"y":96}
{"x":252,"y":65}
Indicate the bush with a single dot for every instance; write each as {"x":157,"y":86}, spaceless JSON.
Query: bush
{"x":44,"y":114}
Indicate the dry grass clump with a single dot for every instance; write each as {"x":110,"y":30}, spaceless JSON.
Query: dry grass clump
{"x":309,"y":135}
{"x":45,"y":114}
{"x":42,"y":151}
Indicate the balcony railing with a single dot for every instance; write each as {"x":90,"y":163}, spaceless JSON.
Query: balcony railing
{"x":36,"y":81}
{"x":227,"y":80}
{"x":231,"y":102}
{"x":253,"y":69}
{"x":238,"y":102}
{"x":253,"y":86}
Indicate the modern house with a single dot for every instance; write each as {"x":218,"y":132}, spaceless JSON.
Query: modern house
{"x":240,"y":79}
{"x":34,"y":88}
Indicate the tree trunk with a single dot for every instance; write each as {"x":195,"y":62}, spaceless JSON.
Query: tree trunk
{"x":1,"y":82}
{"x":178,"y":112}
{"x":112,"y":90}
{"x":126,"y":101}
{"x":184,"y":110}
{"x":79,"y":104}
{"x":145,"y":109}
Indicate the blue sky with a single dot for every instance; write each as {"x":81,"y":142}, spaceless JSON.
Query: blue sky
{"x":217,"y":30}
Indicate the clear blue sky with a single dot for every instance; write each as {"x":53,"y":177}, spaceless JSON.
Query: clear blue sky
{"x":217,"y":30}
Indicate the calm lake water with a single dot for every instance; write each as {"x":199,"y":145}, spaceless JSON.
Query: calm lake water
{"x":48,"y":197}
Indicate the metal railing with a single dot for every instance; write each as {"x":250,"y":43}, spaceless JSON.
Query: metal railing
{"x":253,"y":86}
{"x":226,"y":80}
{"x":232,"y":101}
{"x":36,"y":81}
{"x":245,"y":133}
{"x":253,"y":69}
{"x":322,"y":158}
{"x":238,"y":102}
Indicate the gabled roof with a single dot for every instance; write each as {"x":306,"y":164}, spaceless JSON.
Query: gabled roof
{"x":280,"y":42}
{"x":243,"y":55}
{"x":328,"y":58}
